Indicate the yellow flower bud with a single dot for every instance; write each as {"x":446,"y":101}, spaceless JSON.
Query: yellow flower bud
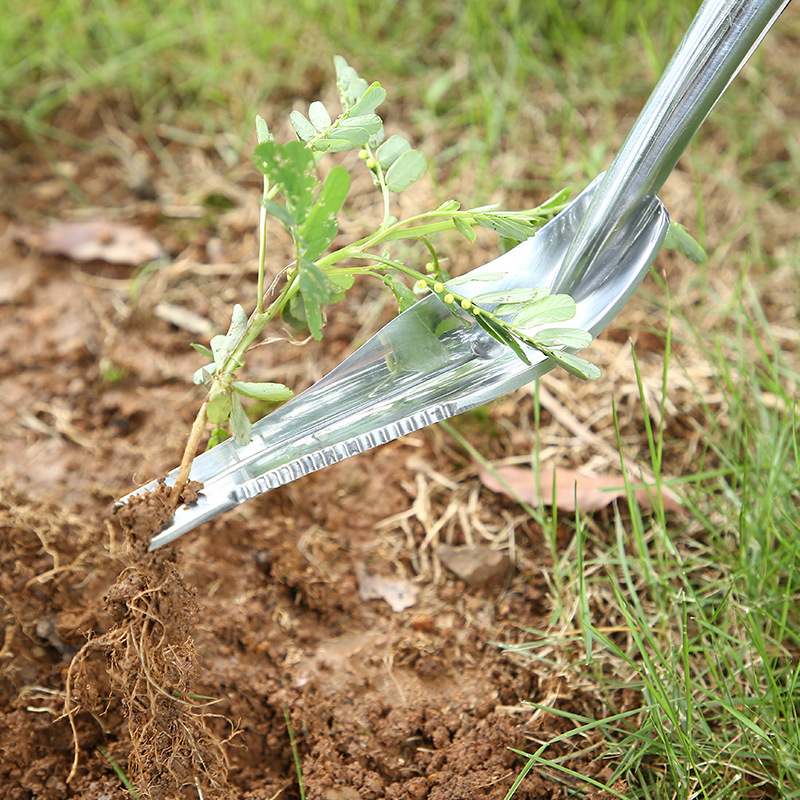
{"x":421,"y":284}
{"x":438,"y":288}
{"x":466,"y":304}
{"x":448,"y":298}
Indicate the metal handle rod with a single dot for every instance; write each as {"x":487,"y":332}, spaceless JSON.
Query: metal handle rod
{"x":719,"y":41}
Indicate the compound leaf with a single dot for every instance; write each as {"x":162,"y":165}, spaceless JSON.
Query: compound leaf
{"x":351,"y":87}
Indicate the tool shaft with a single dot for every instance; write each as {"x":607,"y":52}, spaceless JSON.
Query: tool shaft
{"x":721,"y":38}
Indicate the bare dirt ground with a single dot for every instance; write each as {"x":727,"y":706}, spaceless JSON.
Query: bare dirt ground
{"x":385,"y":702}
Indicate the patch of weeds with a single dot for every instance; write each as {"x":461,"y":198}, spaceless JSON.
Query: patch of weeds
{"x":688,"y":633}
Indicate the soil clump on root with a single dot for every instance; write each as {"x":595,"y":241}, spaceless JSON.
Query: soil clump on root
{"x":152,"y":666}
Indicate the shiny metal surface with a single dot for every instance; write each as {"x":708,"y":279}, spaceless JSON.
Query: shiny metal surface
{"x":425,"y":366}
{"x":721,"y":38}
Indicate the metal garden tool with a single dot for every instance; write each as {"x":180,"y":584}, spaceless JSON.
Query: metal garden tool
{"x":418,"y":370}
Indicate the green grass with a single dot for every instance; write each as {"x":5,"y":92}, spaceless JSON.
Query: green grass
{"x":466,"y":68}
{"x":705,"y":617}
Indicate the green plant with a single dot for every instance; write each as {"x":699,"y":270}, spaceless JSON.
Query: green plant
{"x":308,"y":207}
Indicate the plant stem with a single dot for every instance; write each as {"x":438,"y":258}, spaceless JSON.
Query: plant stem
{"x":262,"y":253}
{"x":262,"y":244}
{"x":193,"y":441}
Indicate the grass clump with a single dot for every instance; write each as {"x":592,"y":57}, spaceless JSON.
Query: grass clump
{"x":689,"y":633}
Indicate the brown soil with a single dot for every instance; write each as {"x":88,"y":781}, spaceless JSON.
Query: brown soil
{"x":408,"y":704}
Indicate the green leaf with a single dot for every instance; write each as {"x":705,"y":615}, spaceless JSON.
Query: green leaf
{"x":406,"y":171}
{"x":271,"y":392}
{"x":376,"y":139}
{"x":391,"y":150}
{"x":279,"y":212}
{"x":369,"y":101}
{"x":678,"y":238}
{"x":203,"y":350}
{"x":204,"y":375}
{"x":240,"y":424}
{"x":346,"y":134}
{"x":222,"y":347}
{"x":405,"y":297}
{"x":464,"y":228}
{"x":218,"y":436}
{"x":289,"y":167}
{"x":556,"y":201}
{"x":294,"y":314}
{"x":333,"y":145}
{"x":575,"y":365}
{"x":514,"y":227}
{"x":316,"y":291}
{"x":218,"y":408}
{"x":351,"y":87}
{"x":302,"y":127}
{"x":339,"y":285}
{"x":262,"y":131}
{"x":321,"y":224}
{"x":502,"y":335}
{"x":553,"y":308}
{"x":564,"y":337}
{"x":368,"y":122}
{"x":233,"y":337}
{"x":521,"y":295}
{"x":319,"y":116}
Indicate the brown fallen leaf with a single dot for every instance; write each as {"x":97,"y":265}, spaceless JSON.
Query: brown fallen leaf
{"x":591,"y":492}
{"x":475,"y":565}
{"x":94,"y":239}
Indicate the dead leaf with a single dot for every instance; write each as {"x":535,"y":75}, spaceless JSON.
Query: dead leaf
{"x":94,"y":239}
{"x":592,"y":492}
{"x":399,"y":594}
{"x":183,"y":318}
{"x":475,"y":565}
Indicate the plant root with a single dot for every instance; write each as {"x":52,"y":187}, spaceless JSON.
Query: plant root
{"x":152,"y":667}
